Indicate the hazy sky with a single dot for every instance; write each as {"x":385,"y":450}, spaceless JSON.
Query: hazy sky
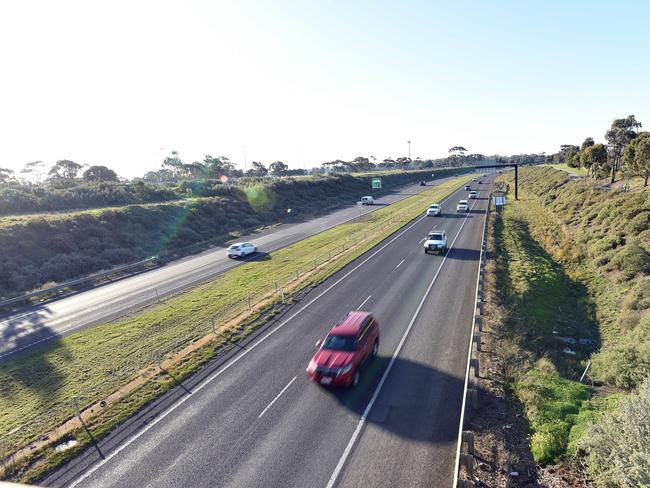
{"x":124,"y":83}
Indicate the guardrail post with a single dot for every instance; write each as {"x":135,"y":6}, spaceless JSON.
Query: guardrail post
{"x":297,"y":274}
{"x":250,"y":307}
{"x":314,"y":264}
{"x":472,"y":393}
{"x":467,"y":460}
{"x":477,"y":340}
{"x":214,"y":327}
{"x":479,"y":322}
{"x":468,"y":438}
{"x":474,"y":363}
{"x":282,"y":289}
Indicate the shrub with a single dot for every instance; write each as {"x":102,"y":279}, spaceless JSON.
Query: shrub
{"x":617,"y":447}
{"x":631,"y":260}
{"x":625,"y":363}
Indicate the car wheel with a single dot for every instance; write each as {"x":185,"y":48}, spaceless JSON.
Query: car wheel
{"x":375,"y":348}
{"x":426,"y":251}
{"x":356,"y":378}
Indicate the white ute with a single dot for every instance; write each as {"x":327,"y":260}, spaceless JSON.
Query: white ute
{"x":462,"y":206}
{"x":433,"y":210}
{"x":367,"y":200}
{"x":436,"y":241}
{"x":473,"y":194}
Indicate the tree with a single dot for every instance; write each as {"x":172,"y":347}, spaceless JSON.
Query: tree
{"x":6,"y":176}
{"x":618,"y":137}
{"x":257,"y":169}
{"x":64,"y":170}
{"x":388,"y":163}
{"x":217,"y":167}
{"x":594,"y":158}
{"x":34,"y":171}
{"x":458,"y":150}
{"x":278,"y":168}
{"x":99,"y":173}
{"x":636,"y":157}
{"x":173,"y":164}
{"x":588,"y":142}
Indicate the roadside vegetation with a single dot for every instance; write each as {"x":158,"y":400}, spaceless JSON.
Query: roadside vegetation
{"x":40,"y":387}
{"x":43,"y":249}
{"x":571,"y":264}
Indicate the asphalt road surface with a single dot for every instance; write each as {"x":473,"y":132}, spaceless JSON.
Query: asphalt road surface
{"x":252,"y":418}
{"x":42,"y":323}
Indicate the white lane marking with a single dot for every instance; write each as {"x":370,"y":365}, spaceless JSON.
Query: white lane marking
{"x":364,"y":302}
{"x":237,"y":358}
{"x":276,"y":398}
{"x":366,"y":412}
{"x":400,"y":263}
{"x":421,"y":240}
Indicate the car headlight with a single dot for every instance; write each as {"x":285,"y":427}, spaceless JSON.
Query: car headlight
{"x":312,"y":366}
{"x":345,"y":369}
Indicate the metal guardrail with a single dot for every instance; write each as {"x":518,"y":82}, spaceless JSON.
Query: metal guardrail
{"x":78,"y":281}
{"x":470,"y":389}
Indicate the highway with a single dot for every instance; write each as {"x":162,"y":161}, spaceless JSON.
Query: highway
{"x":252,"y":419}
{"x":39,"y":324}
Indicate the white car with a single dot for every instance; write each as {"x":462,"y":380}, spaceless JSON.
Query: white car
{"x":433,"y":210}
{"x":436,"y":241}
{"x":473,"y":194}
{"x":367,"y":200}
{"x":462,"y":206}
{"x":241,"y":249}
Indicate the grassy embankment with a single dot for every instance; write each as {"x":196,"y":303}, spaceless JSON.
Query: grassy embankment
{"x":572,"y":261}
{"x":42,"y":249}
{"x":95,"y":362}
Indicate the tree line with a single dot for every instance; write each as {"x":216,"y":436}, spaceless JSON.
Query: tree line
{"x":626,"y":151}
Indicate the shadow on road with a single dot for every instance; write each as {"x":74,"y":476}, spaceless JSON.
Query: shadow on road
{"x":417,"y":402}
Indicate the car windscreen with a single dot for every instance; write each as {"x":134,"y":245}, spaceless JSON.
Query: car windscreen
{"x":233,"y":247}
{"x":435,"y":237}
{"x":340,"y":343}
{"x":433,"y":207}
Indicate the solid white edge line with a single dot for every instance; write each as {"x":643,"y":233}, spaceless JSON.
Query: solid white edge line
{"x":364,"y":302}
{"x":366,"y":412}
{"x":276,"y":398}
{"x":240,"y":355}
{"x":469,"y":358}
{"x":227,"y":268}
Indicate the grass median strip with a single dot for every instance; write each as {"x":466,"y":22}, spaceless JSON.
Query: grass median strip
{"x":88,"y":366}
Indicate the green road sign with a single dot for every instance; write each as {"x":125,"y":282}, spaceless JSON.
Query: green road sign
{"x":376,"y":182}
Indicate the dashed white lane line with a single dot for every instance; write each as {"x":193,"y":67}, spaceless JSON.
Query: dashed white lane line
{"x":276,"y":398}
{"x":364,"y":302}
{"x":400,"y":263}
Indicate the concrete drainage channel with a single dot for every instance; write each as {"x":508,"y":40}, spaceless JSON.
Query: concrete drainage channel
{"x":465,"y":446}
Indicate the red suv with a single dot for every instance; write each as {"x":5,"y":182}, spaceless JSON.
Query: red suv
{"x":347,"y":346}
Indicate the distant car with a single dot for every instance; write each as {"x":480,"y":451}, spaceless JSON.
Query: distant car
{"x":346,"y":348}
{"x":462,"y":206}
{"x":433,"y":210}
{"x":473,"y":194}
{"x":436,"y":241}
{"x":241,"y":249}
{"x":468,"y":187}
{"x":367,"y":200}
{"x":423,"y":183}
{"x":480,"y":182}
{"x":474,"y":180}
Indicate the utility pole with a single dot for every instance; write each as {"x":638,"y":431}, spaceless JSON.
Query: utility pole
{"x":409,"y":143}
